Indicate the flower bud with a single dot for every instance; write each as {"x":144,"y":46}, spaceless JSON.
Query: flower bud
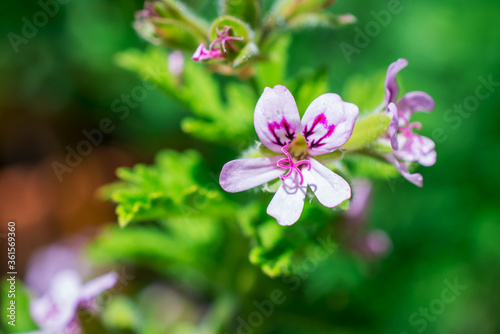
{"x":165,"y":22}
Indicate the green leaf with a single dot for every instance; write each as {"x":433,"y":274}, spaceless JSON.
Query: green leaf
{"x":273,"y":262}
{"x":367,"y":130}
{"x":369,"y":167}
{"x":201,"y":92}
{"x":246,"y":10}
{"x":366,"y":92}
{"x":150,"y":247}
{"x":307,"y":86}
{"x":149,"y":65}
{"x":23,"y":321}
{"x":229,"y":123}
{"x":121,"y":313}
{"x":233,"y":121}
{"x":272,"y":71}
{"x":165,"y":189}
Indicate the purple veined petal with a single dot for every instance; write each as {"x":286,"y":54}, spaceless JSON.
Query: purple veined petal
{"x":49,"y":261}
{"x":93,"y":288}
{"x":328,"y":123}
{"x":330,"y":189}
{"x":242,"y":174}
{"x":406,"y":148}
{"x":393,"y":125}
{"x":414,"y":101}
{"x":57,"y":308}
{"x":391,"y":86}
{"x":288,"y":202}
{"x":416,"y":178}
{"x":428,"y":154}
{"x":416,"y":148}
{"x":276,"y":118}
{"x":361,"y":195}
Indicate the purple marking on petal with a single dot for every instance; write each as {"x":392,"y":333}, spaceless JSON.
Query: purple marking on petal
{"x":282,"y":125}
{"x":328,"y":123}
{"x":320,"y":119}
{"x":276,"y":117}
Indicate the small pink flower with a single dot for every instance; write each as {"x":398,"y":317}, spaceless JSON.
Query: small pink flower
{"x":176,"y":63}
{"x":326,"y":125}
{"x":56,"y":309}
{"x":61,"y":290}
{"x":216,"y":49}
{"x":408,"y":146}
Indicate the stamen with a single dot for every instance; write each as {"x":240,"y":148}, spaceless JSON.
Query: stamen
{"x":223,"y":32}
{"x":288,"y":163}
{"x":407,"y":130}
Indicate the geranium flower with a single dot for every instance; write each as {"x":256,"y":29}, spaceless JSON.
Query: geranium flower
{"x":55,"y":274}
{"x":213,"y":52}
{"x":408,"y":146}
{"x":55,"y":311}
{"x":326,"y":125}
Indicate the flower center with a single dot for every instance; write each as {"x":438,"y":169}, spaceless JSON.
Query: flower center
{"x":298,"y":148}
{"x":292,"y":165}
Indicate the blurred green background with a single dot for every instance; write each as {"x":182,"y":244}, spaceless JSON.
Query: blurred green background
{"x":64,"y":80}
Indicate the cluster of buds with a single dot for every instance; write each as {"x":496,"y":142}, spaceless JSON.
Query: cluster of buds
{"x":167,"y":23}
{"x":218,"y":49}
{"x":238,"y":35}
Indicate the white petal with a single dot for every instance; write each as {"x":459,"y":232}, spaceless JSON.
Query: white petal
{"x":276,"y":118}
{"x":288,"y":202}
{"x":330,"y":189}
{"x":328,"y":123}
{"x":94,"y":287}
{"x":402,"y":167}
{"x":57,"y":307}
{"x":428,"y":153}
{"x":416,"y":148}
{"x":415,"y":101}
{"x":242,"y":174}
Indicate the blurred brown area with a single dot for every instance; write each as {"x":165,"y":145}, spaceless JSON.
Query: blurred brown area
{"x":44,"y":207}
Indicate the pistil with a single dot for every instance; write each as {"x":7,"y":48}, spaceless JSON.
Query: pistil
{"x":291,"y":165}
